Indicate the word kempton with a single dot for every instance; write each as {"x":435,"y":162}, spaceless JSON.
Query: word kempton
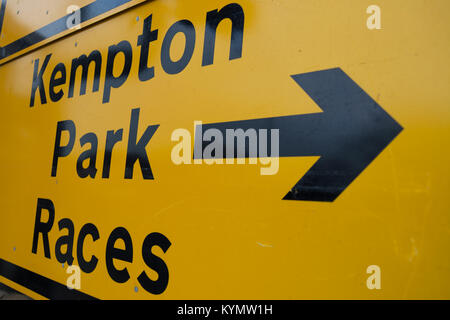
{"x":54,"y":86}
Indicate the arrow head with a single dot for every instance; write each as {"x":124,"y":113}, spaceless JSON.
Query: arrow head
{"x":355,"y":129}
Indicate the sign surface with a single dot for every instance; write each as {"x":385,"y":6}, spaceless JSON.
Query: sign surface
{"x":29,"y":24}
{"x":226,"y":150}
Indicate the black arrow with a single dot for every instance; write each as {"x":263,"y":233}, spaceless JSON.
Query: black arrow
{"x":348,"y":135}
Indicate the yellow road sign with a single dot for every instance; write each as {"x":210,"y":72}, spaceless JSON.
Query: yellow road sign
{"x":226,"y":150}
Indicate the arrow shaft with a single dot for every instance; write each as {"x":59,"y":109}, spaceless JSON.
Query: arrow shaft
{"x":299,"y":135}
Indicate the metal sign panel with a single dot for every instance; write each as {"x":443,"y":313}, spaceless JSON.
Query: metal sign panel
{"x":229,"y":150}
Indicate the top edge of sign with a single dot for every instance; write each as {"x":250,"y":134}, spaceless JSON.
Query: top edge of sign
{"x":79,"y":18}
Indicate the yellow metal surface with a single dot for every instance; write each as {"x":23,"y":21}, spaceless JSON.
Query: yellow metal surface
{"x":232,"y":237}
{"x":26,"y":16}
